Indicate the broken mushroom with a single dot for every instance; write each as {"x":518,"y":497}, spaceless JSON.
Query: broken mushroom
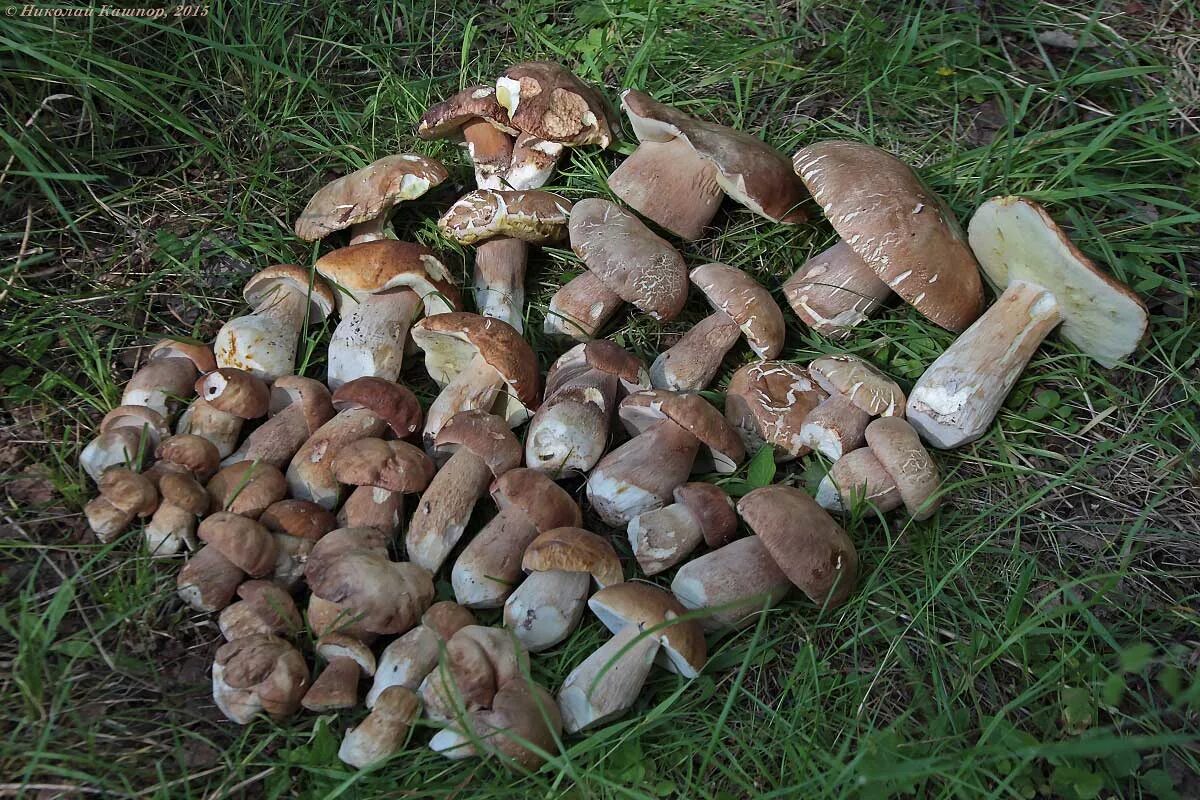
{"x":857,"y":392}
{"x":475,"y":115}
{"x":665,"y":536}
{"x":767,"y":403}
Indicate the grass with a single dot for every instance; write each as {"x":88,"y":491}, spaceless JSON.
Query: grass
{"x":1038,"y":637}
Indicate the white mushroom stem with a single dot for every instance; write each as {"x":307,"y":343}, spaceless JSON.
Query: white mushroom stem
{"x":171,"y":530}
{"x":692,"y":362}
{"x":835,"y":427}
{"x":957,"y":398}
{"x":500,"y":280}
{"x":372,"y":507}
{"x":668,"y":183}
{"x":640,"y":475}
{"x":161,"y":385}
{"x":581,"y":308}
{"x":607,"y":683}
{"x":219,"y":427}
{"x":445,"y":508}
{"x":546,"y":607}
{"x":475,"y":388}
{"x":569,"y":432}
{"x":489,"y":567}
{"x":855,"y":478}
{"x":731,"y":583}
{"x":113,"y":448}
{"x":264,"y":342}
{"x":369,"y":341}
{"x":382,"y":732}
{"x":532,"y":163}
{"x":372,"y":230}
{"x":310,"y":474}
{"x":662,"y":538}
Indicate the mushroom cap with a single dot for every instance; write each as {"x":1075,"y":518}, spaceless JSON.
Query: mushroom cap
{"x":574,"y":550}
{"x":605,"y":356}
{"x":858,"y":477}
{"x":259,"y":673}
{"x":713,"y":508}
{"x":386,"y":264}
{"x":303,"y":519}
{"x":748,"y":169}
{"x":648,"y":606}
{"x":834,"y":291}
{"x":245,"y":543}
{"x":445,"y":119}
{"x":388,"y":400}
{"x":807,"y":544}
{"x":899,"y":227}
{"x":129,"y":491}
{"x":195,"y":454}
{"x":451,"y":342}
{"x":393,"y":465}
{"x":532,"y":216}
{"x":1016,"y":240}
{"x":235,"y":391}
{"x":476,"y":663}
{"x":860,"y":383}
{"x":691,"y":412}
{"x":312,"y":396}
{"x":261,"y":288}
{"x":181,"y":490}
{"x":201,"y":355}
{"x":548,"y":101}
{"x":247,"y":488}
{"x":767,"y":401}
{"x":544,"y":502}
{"x":272,"y":604}
{"x":522,"y":714}
{"x":339,"y":645}
{"x":382,"y":732}
{"x":446,"y":618}
{"x":366,"y":193}
{"x":899,"y":449}
{"x":628,"y":258}
{"x":485,"y":435}
{"x":736,"y":294}
{"x":139,"y":417}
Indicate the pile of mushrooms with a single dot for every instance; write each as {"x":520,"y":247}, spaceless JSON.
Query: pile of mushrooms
{"x":318,"y":520}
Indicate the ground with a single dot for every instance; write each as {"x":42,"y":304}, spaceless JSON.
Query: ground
{"x":1038,"y":637}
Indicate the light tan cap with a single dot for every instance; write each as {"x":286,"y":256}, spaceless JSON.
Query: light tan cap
{"x":860,"y":383}
{"x":247,"y":488}
{"x":899,"y":449}
{"x":365,"y":194}
{"x":544,"y":502}
{"x":546,"y":100}
{"x":574,"y":550}
{"x":647,"y":607}
{"x":446,"y":617}
{"x":736,"y":294}
{"x":248,"y":545}
{"x":532,"y":216}
{"x":386,"y":264}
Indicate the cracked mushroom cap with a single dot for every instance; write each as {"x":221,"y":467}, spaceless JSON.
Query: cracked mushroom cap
{"x":265,"y":607}
{"x":712,"y":508}
{"x":244,"y":542}
{"x":393,"y":465}
{"x":303,"y":519}
{"x":898,"y":226}
{"x":258,"y":673}
{"x":766,"y":403}
{"x":235,"y":391}
{"x":247,"y":488}
{"x":898,"y":448}
{"x":736,"y":294}
{"x":366,"y":193}
{"x":648,"y":607}
{"x":386,"y":264}
{"x":628,"y":258}
{"x":860,"y":383}
{"x":808,"y":545}
{"x":542,"y":500}
{"x":574,"y":550}
{"x":747,"y":169}
{"x":691,"y":412}
{"x":485,"y":435}
{"x":445,"y":119}
{"x":451,"y":342}
{"x":261,"y":288}
{"x":532,"y":216}
{"x":391,"y":402}
{"x":194,"y":454}
{"x":1016,"y":240}
{"x":545,"y":100}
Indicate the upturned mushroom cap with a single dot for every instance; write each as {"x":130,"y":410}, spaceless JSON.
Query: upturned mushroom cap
{"x":766,"y":402}
{"x":545,"y":100}
{"x":733,"y":292}
{"x":897,"y":225}
{"x":264,"y":608}
{"x":574,"y":550}
{"x":391,"y":402}
{"x":485,"y":435}
{"x":747,"y":169}
{"x":649,"y":607}
{"x":712,"y":508}
{"x":201,"y":355}
{"x":446,"y":118}
{"x":383,"y":265}
{"x":258,"y":673}
{"x":262,"y":287}
{"x":1016,"y":240}
{"x":193,"y":454}
{"x":691,"y":412}
{"x":899,"y":449}
{"x":247,"y":488}
{"x":366,"y":193}
{"x":628,"y":258}
{"x":544,"y":502}
{"x":807,"y":544}
{"x":860,"y":383}
{"x":339,"y":645}
{"x":303,"y":519}
{"x":235,"y":392}
{"x":532,"y":216}
{"x":392,"y":465}
{"x":241,"y":540}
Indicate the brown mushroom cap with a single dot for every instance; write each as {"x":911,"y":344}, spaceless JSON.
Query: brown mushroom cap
{"x":899,"y":227}
{"x":195,"y":454}
{"x":546,"y":100}
{"x":899,"y":449}
{"x":392,"y":465}
{"x":391,"y":402}
{"x":141,"y":418}
{"x":691,"y":412}
{"x":259,"y":673}
{"x":446,"y":618}
{"x":736,"y":294}
{"x":247,"y":488}
{"x":477,"y":662}
{"x":261,"y":288}
{"x":605,"y":356}
{"x":748,"y":169}
{"x":242,"y":541}
{"x":542,"y":500}
{"x":272,"y":604}
{"x":485,"y":435}
{"x":386,"y":264}
{"x":532,"y":216}
{"x":235,"y":391}
{"x":181,"y":490}
{"x":860,"y":383}
{"x":303,"y":519}
{"x":647,"y":607}
{"x":129,"y":491}
{"x":446,"y":118}
{"x":574,"y":550}
{"x":766,"y":402}
{"x":713,"y":508}
{"x":834,"y":291}
{"x":310,"y":395}
{"x":201,"y":355}
{"x":339,"y":645}
{"x":522,"y":714}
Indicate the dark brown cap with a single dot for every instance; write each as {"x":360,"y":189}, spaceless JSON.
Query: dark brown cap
{"x":259,"y":673}
{"x":391,"y":402}
{"x":311,"y":395}
{"x":546,"y":100}
{"x":736,"y":294}
{"x":392,"y":465}
{"x":129,"y":491}
{"x":446,"y":118}
{"x":712,"y":508}
{"x":181,"y":490}
{"x":691,"y":412}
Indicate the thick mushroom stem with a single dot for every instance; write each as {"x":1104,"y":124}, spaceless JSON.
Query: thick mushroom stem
{"x":835,"y":427}
{"x":834,"y":291}
{"x":474,"y":389}
{"x":336,"y":686}
{"x":500,"y":280}
{"x":161,"y":385}
{"x":372,"y":507}
{"x":692,"y":362}
{"x":310,"y":474}
{"x":489,"y":567}
{"x":445,"y":508}
{"x":219,"y":427}
{"x":662,"y":538}
{"x":264,"y":342}
{"x":546,"y":607}
{"x":570,"y":433}
{"x":731,"y":584}
{"x":208,"y":581}
{"x":276,"y":440}
{"x":858,"y":477}
{"x":581,"y":308}
{"x":369,"y":340}
{"x":668,"y":183}
{"x":640,"y":475}
{"x":607,"y":683}
{"x":956,"y":399}
{"x":117,"y":447}
{"x":372,"y":230}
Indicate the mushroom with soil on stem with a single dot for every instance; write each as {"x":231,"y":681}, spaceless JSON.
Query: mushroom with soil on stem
{"x":683,"y":167}
{"x":561,"y":564}
{"x":570,"y":431}
{"x":382,"y":732}
{"x":298,"y":407}
{"x":382,"y":472}
{"x":648,"y":629}
{"x":668,"y":430}
{"x":626,"y":262}
{"x":479,"y":447}
{"x":767,"y":403}
{"x":857,"y":392}
{"x":168,"y":378}
{"x":184,"y":462}
{"x":226,"y":398}
{"x":284,"y":298}
{"x":741,"y":307}
{"x":263,"y":608}
{"x":296,"y":526}
{"x":126,"y":435}
{"x":894,"y":469}
{"x":234,"y":547}
{"x":247,"y":488}
{"x":347,"y":661}
{"x":407,"y":660}
{"x":489,"y":567}
{"x":124,"y":494}
{"x":258,"y":673}
{"x":662,"y":538}
{"x":1047,"y":282}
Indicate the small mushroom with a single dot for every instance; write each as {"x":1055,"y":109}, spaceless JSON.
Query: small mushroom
{"x":247,"y":488}
{"x":298,"y":407}
{"x":857,"y":392}
{"x":264,"y":608}
{"x":741,"y":307}
{"x":382,"y":472}
{"x":893,"y":469}
{"x":407,"y":660}
{"x":767,"y":403}
{"x":169,"y":376}
{"x":183,"y":462}
{"x":258,"y":673}
{"x":731,"y":583}
{"x":668,"y":430}
{"x":834,"y":291}
{"x":234,"y":547}
{"x":124,"y":494}
{"x":1047,"y":281}
{"x":227,"y":397}
{"x":684,"y":166}
{"x":347,"y":661}
{"x":126,"y":435}
{"x":476,"y":663}
{"x":382,"y":732}
{"x":523,"y":726}
{"x":296,"y":526}
{"x":663,"y":537}
{"x":284,"y":298}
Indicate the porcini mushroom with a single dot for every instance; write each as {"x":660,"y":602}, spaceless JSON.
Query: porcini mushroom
{"x":169,"y":376}
{"x":298,"y":407}
{"x":1047,"y":281}
{"x":893,"y":469}
{"x":476,"y":663}
{"x":523,"y":726}
{"x":184,"y":461}
{"x":126,"y":435}
{"x":382,"y":732}
{"x":347,"y":661}
{"x":264,"y":608}
{"x":408,"y":659}
{"x":665,"y":536}
{"x":476,"y":116}
{"x":731,"y":584}
{"x":382,"y":472}
{"x":257,"y":673}
{"x":124,"y":494}
{"x":234,"y":547}
{"x":247,"y":488}
{"x":834,"y":291}
{"x":227,"y":397}
{"x":857,"y":392}
{"x":545,"y":100}
{"x":767,"y":401}
{"x":296,"y":526}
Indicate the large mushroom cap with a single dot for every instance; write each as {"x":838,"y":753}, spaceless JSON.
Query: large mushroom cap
{"x":289,"y":277}
{"x":628,"y":258}
{"x":129,"y":491}
{"x":538,"y":497}
{"x":390,"y":401}
{"x":446,"y":118}
{"x":365,"y":194}
{"x":648,"y":607}
{"x":640,"y":410}
{"x":303,"y":519}
{"x":362,"y":269}
{"x":1016,"y":240}
{"x":766,"y":403}
{"x":545,"y":100}
{"x":485,"y":435}
{"x":748,"y":169}
{"x":860,"y":383}
{"x":899,"y":227}
{"x":533,"y":216}
{"x":898,"y":448}
{"x":574,"y":550}
{"x":392,"y":465}
{"x":235,"y":392}
{"x":733,"y":292}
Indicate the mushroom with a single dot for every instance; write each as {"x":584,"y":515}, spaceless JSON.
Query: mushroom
{"x":382,"y":472}
{"x":348,"y":660}
{"x":480,"y":447}
{"x":489,"y":567}
{"x":834,"y":291}
{"x":367,"y":407}
{"x":168,"y":377}
{"x":626,"y":262}
{"x":766,"y":403}
{"x":284,"y":298}
{"x":363,"y":200}
{"x":234,"y":547}
{"x":382,"y":732}
{"x":1046,"y":281}
{"x":476,"y":663}
{"x":570,"y":430}
{"x":523,"y":726}
{"x":740,"y":308}
{"x":264,"y":608}
{"x":665,"y":536}
{"x":183,"y":462}
{"x":247,"y":488}
{"x":731,"y":584}
{"x":856,"y":393}
{"x":476,"y":116}
{"x":548,"y":102}
{"x":562,"y":563}
{"x":900,"y":230}
{"x":408,"y":659}
{"x":385,"y":286}
{"x":126,"y":434}
{"x":683,"y":167}
{"x":893,"y":469}
{"x":503,"y":224}
{"x":124,"y":494}
{"x":647,"y":629}
{"x":298,"y":407}
{"x":480,"y":364}
{"x":227,"y":397}
{"x":668,"y":430}
{"x":296,"y":526}
{"x":257,"y":673}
